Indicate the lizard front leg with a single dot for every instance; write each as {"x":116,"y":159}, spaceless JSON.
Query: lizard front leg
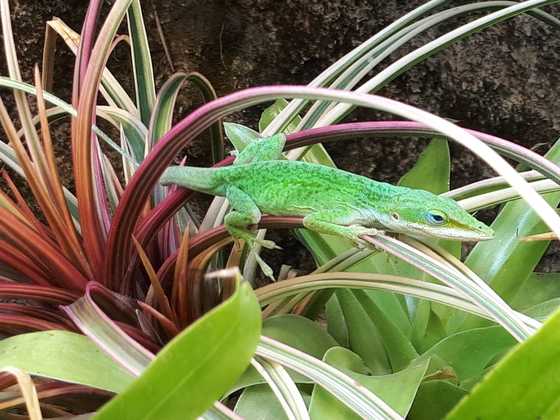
{"x":339,"y":223}
{"x":245,"y":213}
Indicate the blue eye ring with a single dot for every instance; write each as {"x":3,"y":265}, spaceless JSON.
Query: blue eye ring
{"x":436,"y":218}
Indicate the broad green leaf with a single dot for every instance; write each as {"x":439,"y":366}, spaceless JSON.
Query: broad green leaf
{"x":431,"y":171}
{"x":336,"y":324}
{"x":430,"y":328}
{"x":399,"y":349}
{"x":300,"y":333}
{"x":469,"y":352}
{"x":506,"y":262}
{"x":397,"y":390}
{"x":65,"y":356}
{"x":197,"y":367}
{"x":523,"y":385}
{"x":536,"y":289}
{"x":434,"y":400}
{"x":392,"y":304}
{"x":543,"y":310}
{"x":141,"y":62}
{"x":364,"y":337}
{"x":259,"y":402}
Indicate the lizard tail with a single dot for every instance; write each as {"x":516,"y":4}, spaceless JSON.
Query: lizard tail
{"x":197,"y":179}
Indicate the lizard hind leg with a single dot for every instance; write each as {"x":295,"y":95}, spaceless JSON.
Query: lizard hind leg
{"x":245,"y":213}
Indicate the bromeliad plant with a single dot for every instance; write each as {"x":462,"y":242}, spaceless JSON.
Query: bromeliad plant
{"x":116,"y":280}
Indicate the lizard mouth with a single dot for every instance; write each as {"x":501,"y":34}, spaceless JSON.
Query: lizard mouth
{"x":459,"y":233}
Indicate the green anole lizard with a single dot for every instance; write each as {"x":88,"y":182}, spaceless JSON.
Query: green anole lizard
{"x":330,"y":200}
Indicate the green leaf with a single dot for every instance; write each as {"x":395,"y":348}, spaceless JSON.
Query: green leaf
{"x":336,"y":324}
{"x":431,"y":171}
{"x":397,"y":390}
{"x":434,"y":400}
{"x":197,"y":367}
{"x":259,"y":402}
{"x":469,"y":352}
{"x":543,"y":310}
{"x":162,"y":115}
{"x":430,"y":328}
{"x":365,"y":339}
{"x":141,"y":62}
{"x":65,"y":356}
{"x":272,"y":112}
{"x":537,"y":289}
{"x":506,"y":262}
{"x":523,"y":385}
{"x":399,"y":349}
{"x":300,"y":333}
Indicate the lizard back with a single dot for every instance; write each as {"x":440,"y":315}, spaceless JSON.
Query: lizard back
{"x":282,"y":187}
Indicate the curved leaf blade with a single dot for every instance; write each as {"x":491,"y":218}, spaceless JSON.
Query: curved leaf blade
{"x":65,"y":356}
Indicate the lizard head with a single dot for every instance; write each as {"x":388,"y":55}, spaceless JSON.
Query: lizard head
{"x":429,"y":215}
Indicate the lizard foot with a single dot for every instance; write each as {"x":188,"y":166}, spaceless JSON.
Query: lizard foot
{"x":267,"y":271}
{"x":267,"y":244}
{"x":359,"y":231}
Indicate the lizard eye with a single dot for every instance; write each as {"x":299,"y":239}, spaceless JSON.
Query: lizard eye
{"x":436,"y":218}
{"x":395,"y":216}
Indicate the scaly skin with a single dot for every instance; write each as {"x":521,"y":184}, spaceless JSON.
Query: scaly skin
{"x":331,"y":201}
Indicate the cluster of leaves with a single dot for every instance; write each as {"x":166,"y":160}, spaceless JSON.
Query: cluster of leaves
{"x":112,"y":285}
